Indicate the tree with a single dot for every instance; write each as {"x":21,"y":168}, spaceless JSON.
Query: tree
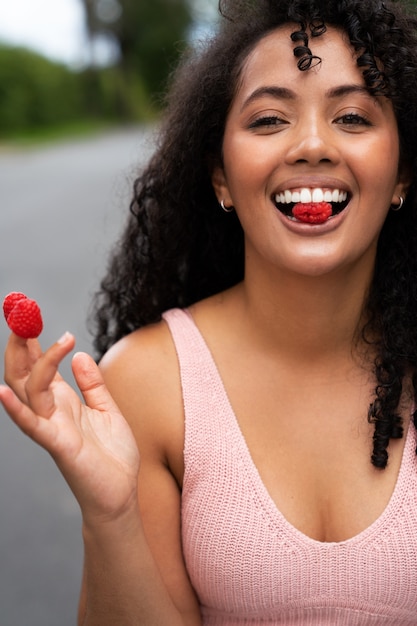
{"x":148,"y":35}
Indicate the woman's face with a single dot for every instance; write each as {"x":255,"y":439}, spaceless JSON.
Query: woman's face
{"x":314,"y":136}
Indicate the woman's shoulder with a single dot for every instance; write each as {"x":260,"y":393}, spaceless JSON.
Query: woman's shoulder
{"x":144,"y":364}
{"x":147,"y":353}
{"x":142,"y":374}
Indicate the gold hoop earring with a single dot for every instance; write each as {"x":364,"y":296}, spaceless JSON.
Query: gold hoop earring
{"x":225,"y":208}
{"x":399,"y":206}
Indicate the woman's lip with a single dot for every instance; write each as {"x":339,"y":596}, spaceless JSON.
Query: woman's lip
{"x":312,"y":182}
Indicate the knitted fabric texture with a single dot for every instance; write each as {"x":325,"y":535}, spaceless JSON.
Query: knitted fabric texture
{"x":247,"y":563}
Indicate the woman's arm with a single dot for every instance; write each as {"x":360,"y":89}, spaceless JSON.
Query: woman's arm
{"x":96,"y":451}
{"x":142,"y":370}
{"x":122,"y":582}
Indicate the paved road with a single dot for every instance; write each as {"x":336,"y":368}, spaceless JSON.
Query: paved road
{"x":61,"y":208}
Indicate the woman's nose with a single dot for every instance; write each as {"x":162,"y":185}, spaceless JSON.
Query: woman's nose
{"x":312,"y":142}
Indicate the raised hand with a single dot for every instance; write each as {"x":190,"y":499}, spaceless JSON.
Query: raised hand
{"x":91,"y":443}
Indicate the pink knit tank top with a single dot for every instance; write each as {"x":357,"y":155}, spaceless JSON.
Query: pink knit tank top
{"x":247,"y":563}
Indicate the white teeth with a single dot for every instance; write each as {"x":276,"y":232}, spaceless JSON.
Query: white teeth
{"x":306,"y":195}
{"x":317,"y":195}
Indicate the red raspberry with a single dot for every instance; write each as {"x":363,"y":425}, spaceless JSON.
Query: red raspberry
{"x":312,"y":212}
{"x":10,"y":301}
{"x":23,"y":315}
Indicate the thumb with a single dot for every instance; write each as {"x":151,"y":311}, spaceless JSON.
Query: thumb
{"x":91,"y":384}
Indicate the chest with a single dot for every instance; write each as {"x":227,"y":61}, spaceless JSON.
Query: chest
{"x":273,"y":523}
{"x":257,"y":441}
{"x":311,"y":443}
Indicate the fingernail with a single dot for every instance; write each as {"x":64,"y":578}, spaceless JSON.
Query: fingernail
{"x":64,"y":337}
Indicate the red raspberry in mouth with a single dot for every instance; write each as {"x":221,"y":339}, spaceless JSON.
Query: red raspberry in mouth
{"x":23,"y":315}
{"x":312,"y":212}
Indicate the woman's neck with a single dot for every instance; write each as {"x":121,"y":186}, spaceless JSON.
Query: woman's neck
{"x":306,"y":316}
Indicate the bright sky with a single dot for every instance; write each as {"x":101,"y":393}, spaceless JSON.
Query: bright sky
{"x":55,"y":28}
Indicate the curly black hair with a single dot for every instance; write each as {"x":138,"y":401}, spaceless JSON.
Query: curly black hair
{"x":179,"y":247}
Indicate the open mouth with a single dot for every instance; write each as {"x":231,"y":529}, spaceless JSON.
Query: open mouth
{"x":311,"y":206}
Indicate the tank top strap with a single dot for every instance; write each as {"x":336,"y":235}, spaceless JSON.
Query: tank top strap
{"x":200,"y":379}
{"x":209,"y":418}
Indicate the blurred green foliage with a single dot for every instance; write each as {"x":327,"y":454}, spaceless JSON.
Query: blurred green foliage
{"x":149,"y":35}
{"x":36,"y":94}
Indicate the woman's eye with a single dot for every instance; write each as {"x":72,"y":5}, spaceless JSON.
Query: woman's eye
{"x":353,"y":119}
{"x":268,"y":121}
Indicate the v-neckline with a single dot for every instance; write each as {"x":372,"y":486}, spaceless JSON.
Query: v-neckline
{"x":258,"y":486}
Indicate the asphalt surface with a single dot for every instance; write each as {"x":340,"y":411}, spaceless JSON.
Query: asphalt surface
{"x":62,"y":207}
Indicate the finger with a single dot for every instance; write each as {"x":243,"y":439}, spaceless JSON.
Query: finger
{"x":33,"y":426}
{"x":91,"y":384}
{"x":39,"y":389}
{"x":19,"y":358}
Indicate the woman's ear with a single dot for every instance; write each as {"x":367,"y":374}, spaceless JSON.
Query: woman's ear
{"x":403,"y":183}
{"x":221,"y":189}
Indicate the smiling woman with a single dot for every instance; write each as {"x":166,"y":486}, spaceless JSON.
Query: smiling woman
{"x":303,"y":133}
{"x":246,"y":452}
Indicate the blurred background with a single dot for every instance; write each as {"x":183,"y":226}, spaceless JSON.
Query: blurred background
{"x":71,"y":63}
{"x":81,"y":90}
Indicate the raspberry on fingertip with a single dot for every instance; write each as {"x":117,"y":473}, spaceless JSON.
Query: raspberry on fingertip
{"x":23,"y":315}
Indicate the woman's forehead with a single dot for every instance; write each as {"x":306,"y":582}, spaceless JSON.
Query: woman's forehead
{"x":274,"y":55}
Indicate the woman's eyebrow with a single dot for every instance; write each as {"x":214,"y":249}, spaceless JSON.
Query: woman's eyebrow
{"x":283,"y":93}
{"x":346,"y":90}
